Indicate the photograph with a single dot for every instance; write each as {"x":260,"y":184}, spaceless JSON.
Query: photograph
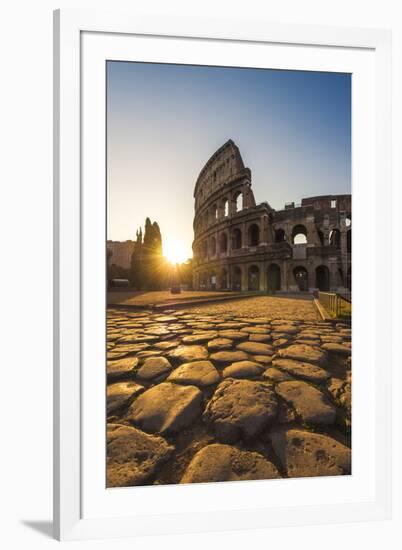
{"x":187,"y":178}
{"x":228,"y":274}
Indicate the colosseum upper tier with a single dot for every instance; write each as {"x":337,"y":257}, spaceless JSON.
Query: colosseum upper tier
{"x":243,"y":246}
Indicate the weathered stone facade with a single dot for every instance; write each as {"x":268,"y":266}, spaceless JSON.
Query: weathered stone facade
{"x":241,"y":245}
{"x":121,"y":253}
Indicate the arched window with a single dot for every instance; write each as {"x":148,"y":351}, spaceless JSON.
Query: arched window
{"x":322,"y":277}
{"x":299,"y":235}
{"x":225,"y":208}
{"x":280,"y":236}
{"x":236,"y":239}
{"x":214,"y":212}
{"x":349,"y":241}
{"x":301,"y":278}
{"x":273,"y":278}
{"x":238,"y":201}
{"x":253,"y":278}
{"x":253,"y":235}
{"x":335,"y":238}
{"x":223,"y":243}
{"x":348,"y":220}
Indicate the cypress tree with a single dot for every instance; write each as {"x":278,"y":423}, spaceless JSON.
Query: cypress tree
{"x":147,"y":269}
{"x":152,"y":259}
{"x":136,"y":268}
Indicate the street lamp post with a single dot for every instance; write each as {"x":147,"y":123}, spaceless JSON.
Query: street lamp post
{"x":175,"y":284}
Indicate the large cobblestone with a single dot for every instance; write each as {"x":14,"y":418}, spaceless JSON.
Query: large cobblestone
{"x":271,"y":343}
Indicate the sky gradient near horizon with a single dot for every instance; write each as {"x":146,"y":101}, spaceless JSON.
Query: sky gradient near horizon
{"x":293,"y":129}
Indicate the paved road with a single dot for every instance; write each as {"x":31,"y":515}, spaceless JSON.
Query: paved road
{"x":264,"y":306}
{"x":148,"y":298}
{"x":255,"y":389}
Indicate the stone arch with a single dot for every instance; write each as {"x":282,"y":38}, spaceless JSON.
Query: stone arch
{"x":335,"y":238}
{"x":237,"y":240}
{"x":300,"y":274}
{"x":273,"y":278}
{"x":214,"y":213}
{"x":236,"y":278}
{"x":253,"y":235}
{"x":280,"y":235}
{"x":238,"y":201}
{"x":299,"y":234}
{"x":322,"y":281}
{"x":225,"y":207}
{"x":223,"y":243}
{"x":254,"y":277}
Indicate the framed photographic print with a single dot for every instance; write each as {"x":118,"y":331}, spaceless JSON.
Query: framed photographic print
{"x":206,"y":180}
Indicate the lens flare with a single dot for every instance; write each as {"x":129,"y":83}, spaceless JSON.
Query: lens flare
{"x":174,"y":252}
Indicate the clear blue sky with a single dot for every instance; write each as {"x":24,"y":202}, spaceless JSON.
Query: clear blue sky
{"x":293,"y":129}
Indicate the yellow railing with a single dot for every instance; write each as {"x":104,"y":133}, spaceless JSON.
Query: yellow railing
{"x":337,"y":305}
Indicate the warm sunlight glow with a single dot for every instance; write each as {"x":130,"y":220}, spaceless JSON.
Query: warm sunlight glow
{"x":175,"y":252}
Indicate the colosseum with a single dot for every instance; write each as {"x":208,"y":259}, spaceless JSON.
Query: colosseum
{"x":243,"y":246}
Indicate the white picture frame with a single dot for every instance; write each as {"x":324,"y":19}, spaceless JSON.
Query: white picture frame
{"x":83,"y":40}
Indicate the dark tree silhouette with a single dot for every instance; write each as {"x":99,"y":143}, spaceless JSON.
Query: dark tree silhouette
{"x":147,"y":263}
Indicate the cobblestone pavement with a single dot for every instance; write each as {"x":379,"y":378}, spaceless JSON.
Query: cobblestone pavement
{"x":150,"y":297}
{"x":276,"y":307}
{"x":255,"y":389}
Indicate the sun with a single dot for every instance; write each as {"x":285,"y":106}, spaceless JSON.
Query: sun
{"x":175,"y":252}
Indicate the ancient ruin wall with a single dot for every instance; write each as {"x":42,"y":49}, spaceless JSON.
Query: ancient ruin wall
{"x":240,"y":245}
